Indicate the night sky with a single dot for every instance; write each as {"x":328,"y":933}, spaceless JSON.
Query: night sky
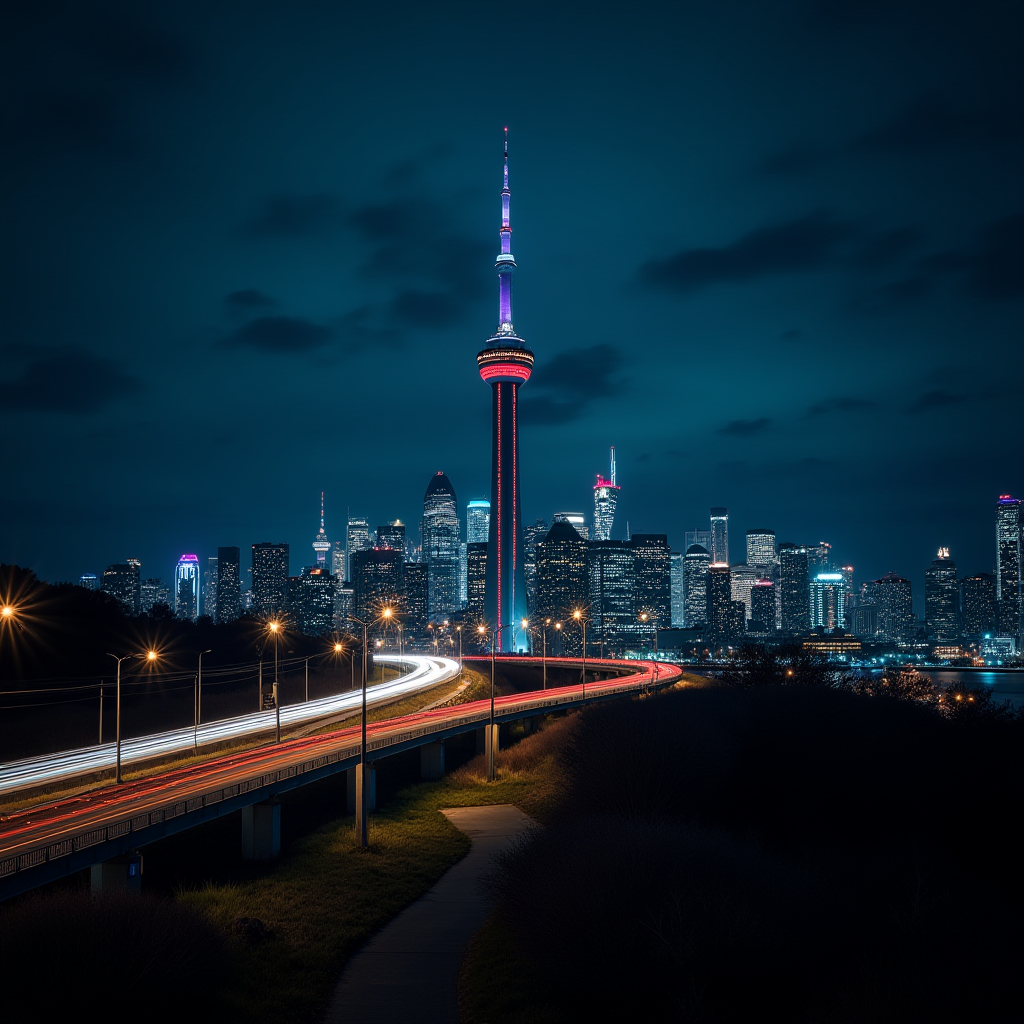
{"x":772,"y":251}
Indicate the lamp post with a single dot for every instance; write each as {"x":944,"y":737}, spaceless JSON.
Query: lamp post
{"x":582,"y":620}
{"x":149,"y":656}
{"x":490,"y":723}
{"x":199,"y":702}
{"x":458,"y":629}
{"x":646,"y":617}
{"x":275,"y":629}
{"x":361,"y":794}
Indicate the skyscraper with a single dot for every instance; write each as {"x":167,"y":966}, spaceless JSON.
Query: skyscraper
{"x":761,"y":550}
{"x":828,"y":600}
{"x":978,"y":596}
{"x":311,"y":600}
{"x":210,"y":577}
{"x":576,"y":520}
{"x":742,"y":578}
{"x":476,"y":586}
{"x":478,"y":521}
{"x":121,"y":580}
{"x":269,"y":578}
{"x":154,"y":592}
{"x":392,"y":536}
{"x":1009,"y":567}
{"x":561,"y":583}
{"x":606,"y":497}
{"x":505,"y":362}
{"x":794,"y":586}
{"x":720,"y":535}
{"x":321,"y":545}
{"x":678,"y":590}
{"x":762,"y":606}
{"x":439,"y":530}
{"x":338,"y":565}
{"x":357,"y":538}
{"x":895,"y":607}
{"x":533,"y":533}
{"x":611,"y":586}
{"x":377,"y":580}
{"x":653,"y":568}
{"x":186,"y":587}
{"x":699,"y":537}
{"x":89,"y":580}
{"x":229,"y":585}
{"x":719,"y":612}
{"x":942,"y":599}
{"x":695,"y":579}
{"x":416,"y":589}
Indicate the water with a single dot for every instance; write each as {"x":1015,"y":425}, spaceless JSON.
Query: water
{"x":1008,"y":686}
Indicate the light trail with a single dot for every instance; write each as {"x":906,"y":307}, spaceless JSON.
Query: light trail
{"x":427,"y":672}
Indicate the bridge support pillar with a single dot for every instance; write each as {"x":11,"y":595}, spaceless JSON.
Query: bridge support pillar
{"x":432,"y":760}
{"x":529,"y":724}
{"x":352,"y":792}
{"x":261,"y":831}
{"x":119,"y":874}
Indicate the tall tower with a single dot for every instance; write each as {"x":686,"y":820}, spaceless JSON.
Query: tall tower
{"x":1009,"y":566}
{"x":720,"y":535}
{"x":439,"y":533}
{"x":321,"y":545}
{"x":606,"y":497}
{"x":505,"y":362}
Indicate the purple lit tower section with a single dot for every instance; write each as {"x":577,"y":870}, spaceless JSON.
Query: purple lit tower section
{"x":505,"y":362}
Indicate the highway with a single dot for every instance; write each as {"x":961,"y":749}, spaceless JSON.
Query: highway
{"x":70,"y":764}
{"x":133,"y":813}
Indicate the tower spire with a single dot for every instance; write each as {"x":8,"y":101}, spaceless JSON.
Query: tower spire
{"x":506,"y":261}
{"x":321,"y":545}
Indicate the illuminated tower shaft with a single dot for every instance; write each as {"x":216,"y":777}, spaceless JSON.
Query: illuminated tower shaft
{"x":505,"y":362}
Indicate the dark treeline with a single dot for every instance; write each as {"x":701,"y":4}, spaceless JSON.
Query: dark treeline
{"x":775,"y":852}
{"x":64,"y":631}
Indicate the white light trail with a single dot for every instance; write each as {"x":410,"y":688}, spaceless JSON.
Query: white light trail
{"x":427,"y":672}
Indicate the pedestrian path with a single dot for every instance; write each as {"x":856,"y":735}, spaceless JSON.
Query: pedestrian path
{"x":409,"y":970}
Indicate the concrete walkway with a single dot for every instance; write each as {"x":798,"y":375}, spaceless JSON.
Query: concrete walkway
{"x":409,"y":970}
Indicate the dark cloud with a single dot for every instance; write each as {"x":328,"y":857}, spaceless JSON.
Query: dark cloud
{"x":934,"y":400}
{"x":139,"y":51}
{"x":360,"y":329}
{"x":809,"y":466}
{"x":886,"y":246}
{"x":830,"y":405}
{"x":570,"y":381}
{"x":79,"y":122}
{"x":427,"y":309}
{"x":995,"y":264}
{"x":791,"y":335}
{"x":67,"y":379}
{"x":890,"y":297}
{"x":294,"y":216}
{"x":806,"y":243}
{"x":744,"y":428}
{"x":246,"y":300}
{"x":283,"y":334}
{"x":932,"y":124}
{"x":792,"y":160}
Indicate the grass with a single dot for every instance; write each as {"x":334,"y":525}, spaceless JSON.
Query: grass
{"x":327,"y":896}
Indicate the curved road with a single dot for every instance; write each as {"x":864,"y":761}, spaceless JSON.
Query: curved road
{"x":48,"y":833}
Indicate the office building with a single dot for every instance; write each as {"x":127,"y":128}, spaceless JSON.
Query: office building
{"x":269,"y":579}
{"x":478,"y":521}
{"x":439,"y":530}
{"x":678,"y":590}
{"x":720,"y":535}
{"x":762,"y":607}
{"x":357,"y":538}
{"x":337,"y":556}
{"x":229,"y":585}
{"x":89,"y":580}
{"x":576,"y":520}
{"x":695,"y":580}
{"x":653,"y":572}
{"x":476,"y":584}
{"x":606,"y":497}
{"x":311,"y":600}
{"x":505,"y":363}
{"x":1009,"y":567}
{"x":611,"y":589}
{"x":392,"y":536}
{"x":121,"y":580}
{"x":942,"y":599}
{"x":377,"y":581}
{"x":210,"y":578}
{"x":719,"y":614}
{"x":153,"y":592}
{"x":702,"y":538}
{"x":533,"y":533}
{"x":894,"y":603}
{"x":819,"y":557}
{"x":344,"y":606}
{"x":828,"y":600}
{"x":186,"y":587}
{"x":978,"y":601}
{"x":415,"y":598}
{"x":794,"y":589}
{"x":864,"y":621}
{"x":742,"y":578}
{"x":761,"y":551}
{"x":562,"y":582}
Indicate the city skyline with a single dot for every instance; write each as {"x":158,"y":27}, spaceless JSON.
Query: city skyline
{"x":771,"y":287}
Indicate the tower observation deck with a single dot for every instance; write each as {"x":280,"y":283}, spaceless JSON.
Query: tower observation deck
{"x":505,"y":362}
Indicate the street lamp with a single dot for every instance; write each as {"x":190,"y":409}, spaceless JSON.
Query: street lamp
{"x":582,"y":620}
{"x":199,"y":702}
{"x":275,"y":630}
{"x":646,"y":617}
{"x":361,"y":787}
{"x":458,"y":629}
{"x":149,"y":656}
{"x":543,"y":647}
{"x":490,"y":725}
